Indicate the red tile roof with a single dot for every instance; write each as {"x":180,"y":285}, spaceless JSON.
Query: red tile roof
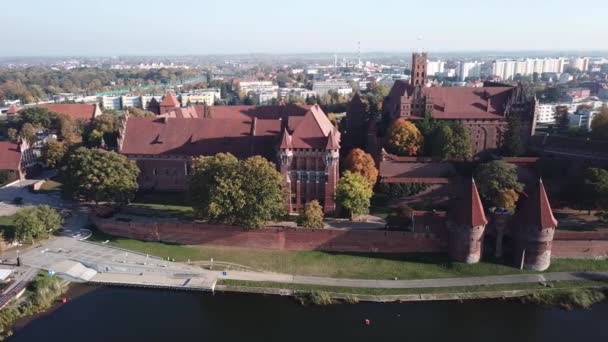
{"x":459,"y":102}
{"x":535,"y":211}
{"x":169,"y":100}
{"x":399,"y":168}
{"x":261,"y":112}
{"x":10,"y":156}
{"x":468,"y":210}
{"x":312,"y":130}
{"x":75,"y":110}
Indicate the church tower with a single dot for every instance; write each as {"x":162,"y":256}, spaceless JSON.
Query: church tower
{"x":419,"y":60}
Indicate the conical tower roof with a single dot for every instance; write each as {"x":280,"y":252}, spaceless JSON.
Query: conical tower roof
{"x":468,"y":210}
{"x":536,"y":210}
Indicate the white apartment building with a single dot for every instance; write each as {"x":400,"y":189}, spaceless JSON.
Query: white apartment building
{"x":468,"y":69}
{"x":111,"y":102}
{"x":245,"y":87}
{"x":581,"y":63}
{"x":202,"y":96}
{"x":265,"y":98}
{"x":323,"y":87}
{"x":300,"y":92}
{"x":434,"y":67}
{"x":545,"y":112}
{"x":507,"y":69}
{"x":131,"y":102}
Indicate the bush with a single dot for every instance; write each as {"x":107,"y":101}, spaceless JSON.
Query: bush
{"x":312,"y":215}
{"x":314,"y":298}
{"x":402,"y":189}
{"x":568,"y":299}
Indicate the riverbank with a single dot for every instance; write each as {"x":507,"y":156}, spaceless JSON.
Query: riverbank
{"x":338,"y":265}
{"x":568,"y":294}
{"x":38,"y":297}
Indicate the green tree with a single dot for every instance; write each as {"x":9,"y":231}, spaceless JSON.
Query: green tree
{"x":592,"y":193}
{"x":37,"y":116}
{"x":311,"y":216}
{"x":512,"y":145}
{"x":354,"y":193}
{"x":404,"y":139}
{"x":100,"y":176}
{"x":106,"y":123}
{"x":495,"y":177}
{"x":248,"y":193}
{"x":140,"y":113}
{"x":599,"y":124}
{"x":53,"y":153}
{"x":36,"y":223}
{"x":28,"y":132}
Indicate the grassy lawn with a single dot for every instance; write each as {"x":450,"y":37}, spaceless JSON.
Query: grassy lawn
{"x":341,"y":265}
{"x":6,"y":226}
{"x":433,"y":290}
{"x":175,"y":204}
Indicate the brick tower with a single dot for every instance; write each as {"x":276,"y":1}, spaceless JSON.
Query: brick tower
{"x":466,"y":226}
{"x":533,"y":230}
{"x":169,"y":103}
{"x":419,"y":69}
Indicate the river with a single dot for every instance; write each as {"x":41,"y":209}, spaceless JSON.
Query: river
{"x":127,"y":314}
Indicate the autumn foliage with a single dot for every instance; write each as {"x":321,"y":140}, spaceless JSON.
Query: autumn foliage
{"x":404,"y":138}
{"x":362,"y":163}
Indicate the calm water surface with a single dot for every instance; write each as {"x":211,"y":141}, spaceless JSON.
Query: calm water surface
{"x":124,"y":314}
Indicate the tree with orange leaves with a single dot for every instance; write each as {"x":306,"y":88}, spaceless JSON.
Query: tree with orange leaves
{"x":404,"y":138}
{"x":362,"y":163}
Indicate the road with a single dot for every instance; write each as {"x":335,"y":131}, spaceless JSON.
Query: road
{"x":414,"y":284}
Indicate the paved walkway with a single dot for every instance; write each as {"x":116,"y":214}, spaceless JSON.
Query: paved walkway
{"x":422,"y":283}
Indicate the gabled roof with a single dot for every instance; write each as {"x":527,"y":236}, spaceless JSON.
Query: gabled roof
{"x":536,"y":210}
{"x":169,"y":100}
{"x":468,"y":209}
{"x":10,"y":156}
{"x":312,"y":130}
{"x":77,"y":111}
{"x":333,"y":142}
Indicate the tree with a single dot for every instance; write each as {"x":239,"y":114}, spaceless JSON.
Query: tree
{"x":28,"y":132}
{"x":507,"y":199}
{"x":599,"y":124}
{"x":404,"y":139}
{"x":53,"y":153}
{"x":100,"y":176}
{"x":512,"y":144}
{"x":247,"y":193}
{"x":362,"y":163}
{"x":105,"y":123}
{"x":495,"y":177}
{"x":354,"y":193}
{"x":36,"y":222}
{"x":311,"y":216}
{"x":592,"y":192}
{"x":449,"y":141}
{"x":37,"y":116}
{"x":140,"y":113}
{"x":13,"y":135}
{"x":262,"y":186}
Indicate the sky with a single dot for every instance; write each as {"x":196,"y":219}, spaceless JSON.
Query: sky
{"x":179,"y":27}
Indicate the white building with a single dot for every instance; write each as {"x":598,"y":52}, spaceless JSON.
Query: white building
{"x":581,"y":63}
{"x":130,"y":102}
{"x":202,"y":96}
{"x":246,"y":87}
{"x":434,"y":67}
{"x":265,"y":98}
{"x":111,"y":102}
{"x":507,"y":69}
{"x":545,"y":113}
{"x":468,"y":69}
{"x":323,"y":87}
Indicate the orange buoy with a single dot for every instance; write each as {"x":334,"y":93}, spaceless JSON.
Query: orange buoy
{"x":367,"y":322}
{"x":64,"y":300}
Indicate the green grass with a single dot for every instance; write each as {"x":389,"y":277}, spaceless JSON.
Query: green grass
{"x":433,"y":290}
{"x":167,"y":204}
{"x":341,"y":265}
{"x":6,"y":226}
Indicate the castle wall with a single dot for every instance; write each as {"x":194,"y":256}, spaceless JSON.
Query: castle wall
{"x":534,"y":246}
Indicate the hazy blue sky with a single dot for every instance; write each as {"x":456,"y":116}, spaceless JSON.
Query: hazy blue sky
{"x":108,"y":27}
